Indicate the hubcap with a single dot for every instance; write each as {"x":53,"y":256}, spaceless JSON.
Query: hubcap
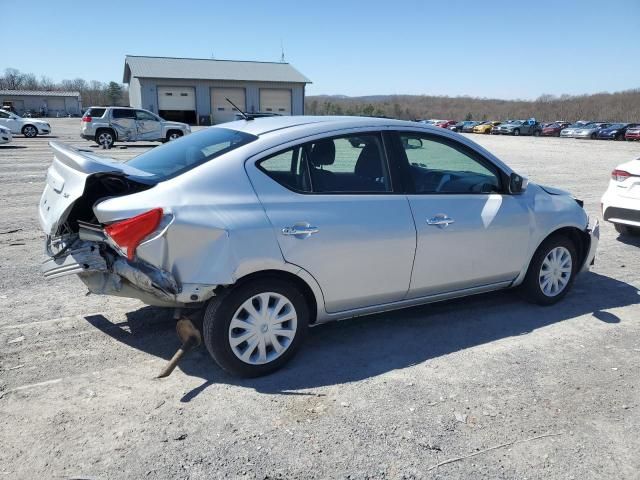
{"x":104,"y":138}
{"x":555,"y":272}
{"x":173,"y":136}
{"x":29,"y":131}
{"x":263,"y":328}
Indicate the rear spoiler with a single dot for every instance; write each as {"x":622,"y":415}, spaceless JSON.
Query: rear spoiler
{"x":88,"y":163}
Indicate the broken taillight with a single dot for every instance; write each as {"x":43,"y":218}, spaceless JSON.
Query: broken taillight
{"x":128,"y":234}
{"x":86,"y":118}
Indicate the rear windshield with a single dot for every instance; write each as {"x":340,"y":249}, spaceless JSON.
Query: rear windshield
{"x":95,"y":112}
{"x":179,"y":156}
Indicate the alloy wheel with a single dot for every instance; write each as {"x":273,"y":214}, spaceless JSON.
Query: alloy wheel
{"x":30,"y":131}
{"x":263,"y":328}
{"x":556,"y":271}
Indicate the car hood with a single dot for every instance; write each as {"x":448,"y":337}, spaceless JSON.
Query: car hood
{"x":34,"y":121}
{"x":610,"y":130}
{"x":179,"y":125}
{"x":554,"y":190}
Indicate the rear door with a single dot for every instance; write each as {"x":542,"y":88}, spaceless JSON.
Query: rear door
{"x":148,"y":126}
{"x":335,"y":214}
{"x":123,"y":121}
{"x":470,"y":233}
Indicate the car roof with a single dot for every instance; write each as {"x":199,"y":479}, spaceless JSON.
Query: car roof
{"x":260,"y":126}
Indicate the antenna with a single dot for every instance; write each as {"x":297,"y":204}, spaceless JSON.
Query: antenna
{"x":282,"y":60}
{"x":244,"y":115}
{"x":213,"y":57}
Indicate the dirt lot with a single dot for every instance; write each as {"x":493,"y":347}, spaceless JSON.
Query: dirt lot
{"x":387,"y":396}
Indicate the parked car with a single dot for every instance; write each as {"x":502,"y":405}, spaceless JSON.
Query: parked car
{"x":518,"y":127}
{"x":632,"y":133}
{"x":5,"y":135}
{"x":29,"y":127}
{"x":589,"y":130}
{"x":107,"y":125}
{"x":445,"y":123}
{"x":554,"y":129}
{"x":615,"y":131}
{"x":275,"y":224}
{"x":485,"y":127}
{"x":469,"y":126}
{"x":460,"y":125}
{"x":621,"y":201}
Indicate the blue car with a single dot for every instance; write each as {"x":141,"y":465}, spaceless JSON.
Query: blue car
{"x":615,"y":131}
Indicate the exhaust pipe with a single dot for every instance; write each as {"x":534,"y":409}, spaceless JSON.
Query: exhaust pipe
{"x":190,"y":337}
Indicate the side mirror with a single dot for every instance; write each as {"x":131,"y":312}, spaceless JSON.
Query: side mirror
{"x":517,"y":184}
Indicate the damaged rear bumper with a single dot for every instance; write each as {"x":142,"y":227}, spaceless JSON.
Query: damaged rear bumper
{"x":106,"y":273}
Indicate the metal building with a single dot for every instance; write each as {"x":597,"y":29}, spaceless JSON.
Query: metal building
{"x":193,"y":90}
{"x":46,"y":103}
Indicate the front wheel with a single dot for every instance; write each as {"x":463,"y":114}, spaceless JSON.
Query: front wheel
{"x":516,"y":133}
{"x":551,"y":271}
{"x":254,"y":328}
{"x":29,"y":131}
{"x":173,"y":135}
{"x":536,"y":133}
{"x":593,"y":136}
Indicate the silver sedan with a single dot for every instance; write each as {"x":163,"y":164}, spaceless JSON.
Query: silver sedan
{"x":271,"y":225}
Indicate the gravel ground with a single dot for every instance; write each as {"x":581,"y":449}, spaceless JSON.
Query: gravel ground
{"x":386,"y":396}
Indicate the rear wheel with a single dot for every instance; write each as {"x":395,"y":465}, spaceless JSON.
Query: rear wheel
{"x":29,"y":131}
{"x":593,"y":136}
{"x":256,"y":327}
{"x":105,"y":138}
{"x":516,"y":132}
{"x":551,"y":271}
{"x":536,"y":133}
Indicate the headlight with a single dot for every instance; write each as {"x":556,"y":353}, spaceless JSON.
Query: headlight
{"x":613,"y":132}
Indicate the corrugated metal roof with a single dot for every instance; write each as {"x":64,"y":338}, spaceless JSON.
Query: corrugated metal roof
{"x":40,"y":93}
{"x":205,"y":69}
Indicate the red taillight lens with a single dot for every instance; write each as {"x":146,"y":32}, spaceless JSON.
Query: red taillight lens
{"x":620,"y":175}
{"x":128,"y":234}
{"x":86,"y":118}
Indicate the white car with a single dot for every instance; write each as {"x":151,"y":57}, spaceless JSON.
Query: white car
{"x":5,"y":135}
{"x":621,"y":201}
{"x":29,"y":127}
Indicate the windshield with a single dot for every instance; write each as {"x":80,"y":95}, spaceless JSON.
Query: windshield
{"x":179,"y":156}
{"x":618,"y":125}
{"x":578,"y":125}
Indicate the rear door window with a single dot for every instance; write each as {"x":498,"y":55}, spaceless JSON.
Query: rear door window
{"x":123,"y":113}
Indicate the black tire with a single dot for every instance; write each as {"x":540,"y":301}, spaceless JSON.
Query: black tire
{"x":516,"y":133}
{"x":626,"y":229}
{"x":618,"y":137}
{"x":593,"y":136}
{"x":30,"y":131}
{"x":530,"y":288}
{"x":221,"y":310}
{"x":536,"y":133}
{"x":173,"y":135}
{"x":105,"y":137}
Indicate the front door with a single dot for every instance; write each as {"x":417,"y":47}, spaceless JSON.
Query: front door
{"x":148,"y":126}
{"x":470,"y":232}
{"x":333,"y":210}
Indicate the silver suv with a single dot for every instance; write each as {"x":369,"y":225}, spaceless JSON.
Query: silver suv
{"x":106,"y":125}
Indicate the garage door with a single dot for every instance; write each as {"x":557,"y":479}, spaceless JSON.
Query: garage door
{"x":55,"y":106}
{"x":221,"y":110}
{"x":275,"y":100}
{"x":177,"y":103}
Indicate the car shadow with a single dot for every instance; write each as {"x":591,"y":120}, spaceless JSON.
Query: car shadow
{"x":11,"y":147}
{"x":633,"y":240}
{"x":352,"y":350}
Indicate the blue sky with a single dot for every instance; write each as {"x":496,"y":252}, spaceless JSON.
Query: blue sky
{"x":496,"y":49}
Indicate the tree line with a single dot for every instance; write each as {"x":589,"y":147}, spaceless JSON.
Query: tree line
{"x":621,"y":106}
{"x":92,"y":92}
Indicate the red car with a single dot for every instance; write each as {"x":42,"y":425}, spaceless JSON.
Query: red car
{"x":553,"y":129}
{"x":445,"y":123}
{"x":632,"y":134}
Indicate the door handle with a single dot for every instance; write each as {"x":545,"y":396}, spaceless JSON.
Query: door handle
{"x":300,"y":230}
{"x":441,"y":220}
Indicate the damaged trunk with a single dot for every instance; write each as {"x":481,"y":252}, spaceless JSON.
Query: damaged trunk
{"x":77,"y":244}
